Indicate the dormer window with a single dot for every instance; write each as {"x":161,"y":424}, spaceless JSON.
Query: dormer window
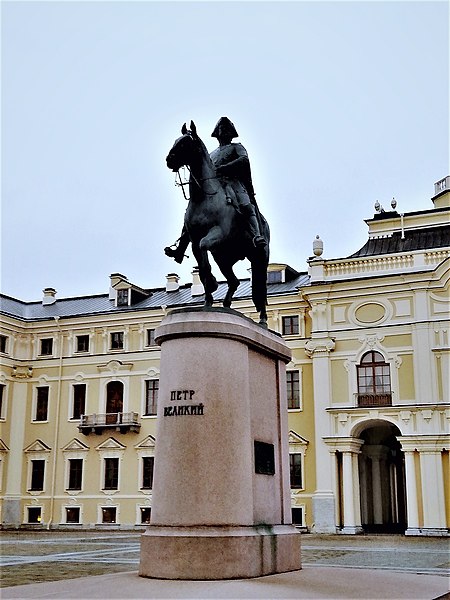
{"x":274,"y":277}
{"x":122,"y":297}
{"x":3,"y":340}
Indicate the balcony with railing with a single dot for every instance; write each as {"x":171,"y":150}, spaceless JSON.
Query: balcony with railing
{"x":370,"y":400}
{"x":122,"y":422}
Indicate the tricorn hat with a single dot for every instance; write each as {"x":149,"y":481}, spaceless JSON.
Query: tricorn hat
{"x":227,"y":126}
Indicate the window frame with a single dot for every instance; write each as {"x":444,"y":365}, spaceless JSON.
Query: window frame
{"x":79,"y":474}
{"x":150,"y":338}
{"x":66,"y":521}
{"x":117,"y":340}
{"x":86,"y":337}
{"x":3,"y":400}
{"x":294,"y":325}
{"x":301,"y":457}
{"x":39,"y":521}
{"x":42,"y":343}
{"x":33,"y":474}
{"x":115,"y":477}
{"x":291,"y":384}
{"x":103,"y":509}
{"x":4,"y":342}
{"x":145,"y":475}
{"x":373,"y":380}
{"x":76,"y":386}
{"x":37,"y":400}
{"x":155,"y":397}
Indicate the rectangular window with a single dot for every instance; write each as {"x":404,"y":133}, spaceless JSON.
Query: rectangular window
{"x":3,"y":340}
{"x":122,"y":297}
{"x":73,"y":514}
{"x":293,"y":389}
{"x":111,"y":474}
{"x":79,"y":400}
{"x":290,"y":325}
{"x":75,"y":473}
{"x":151,"y":337}
{"x":151,"y":396}
{"x":148,"y":464}
{"x":34,"y":514}
{"x":295,"y":468}
{"x":298,"y":516}
{"x":82,"y":343}
{"x":46,"y":346}
{"x":145,"y":514}
{"x":41,"y":404}
{"x":109,"y":514}
{"x":37,"y":475}
{"x":274,"y":277}
{"x":117,"y":340}
{"x":2,"y":399}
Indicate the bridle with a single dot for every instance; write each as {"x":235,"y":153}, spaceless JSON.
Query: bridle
{"x":181,"y":183}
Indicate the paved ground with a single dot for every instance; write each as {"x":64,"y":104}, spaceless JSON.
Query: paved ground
{"x":31,"y":557}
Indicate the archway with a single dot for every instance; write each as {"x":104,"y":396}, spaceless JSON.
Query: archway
{"x":382,"y":479}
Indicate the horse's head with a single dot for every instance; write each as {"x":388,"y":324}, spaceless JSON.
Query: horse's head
{"x":184,"y":148}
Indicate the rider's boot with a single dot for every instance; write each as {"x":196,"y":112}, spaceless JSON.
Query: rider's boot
{"x":249,"y":212}
{"x":178,"y":253}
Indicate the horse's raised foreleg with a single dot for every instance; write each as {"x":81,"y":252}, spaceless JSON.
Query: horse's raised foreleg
{"x":204,"y":269}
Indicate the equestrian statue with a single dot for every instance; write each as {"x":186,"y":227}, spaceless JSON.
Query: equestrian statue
{"x":222,"y":216}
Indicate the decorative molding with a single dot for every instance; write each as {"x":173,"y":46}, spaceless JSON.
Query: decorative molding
{"x":319,"y":346}
{"x":19,"y":372}
{"x":114,"y":366}
{"x":37,"y":446}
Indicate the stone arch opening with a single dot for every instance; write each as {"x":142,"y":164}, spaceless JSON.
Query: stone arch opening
{"x":382,"y":483}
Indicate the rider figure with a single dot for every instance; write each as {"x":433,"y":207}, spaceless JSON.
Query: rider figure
{"x":233,"y":169}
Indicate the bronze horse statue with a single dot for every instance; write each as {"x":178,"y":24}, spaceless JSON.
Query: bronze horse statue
{"x":214,"y":224}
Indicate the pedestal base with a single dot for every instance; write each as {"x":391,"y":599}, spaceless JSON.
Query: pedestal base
{"x":211,"y":553}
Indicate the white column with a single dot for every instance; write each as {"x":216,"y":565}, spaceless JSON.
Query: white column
{"x":17,"y":417}
{"x":412,"y":506}
{"x":433,"y":497}
{"x":323,"y":499}
{"x":350,"y":485}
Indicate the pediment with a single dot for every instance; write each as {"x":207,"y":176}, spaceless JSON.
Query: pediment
{"x":111,"y":444}
{"x":37,"y":446}
{"x":3,"y":447}
{"x":75,"y":446}
{"x":148,"y":442}
{"x":295,"y":438}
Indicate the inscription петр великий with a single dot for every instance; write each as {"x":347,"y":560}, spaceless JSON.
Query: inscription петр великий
{"x":190,"y":409}
{"x":181,"y":394}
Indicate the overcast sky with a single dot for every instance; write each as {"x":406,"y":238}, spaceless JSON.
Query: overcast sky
{"x":339,"y":104}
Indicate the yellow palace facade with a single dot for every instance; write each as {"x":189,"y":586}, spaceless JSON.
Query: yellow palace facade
{"x":368,"y":388}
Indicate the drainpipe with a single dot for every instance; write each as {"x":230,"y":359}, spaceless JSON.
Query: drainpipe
{"x":56,"y":435}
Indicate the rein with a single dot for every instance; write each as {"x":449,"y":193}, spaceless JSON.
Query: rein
{"x":198,"y":182}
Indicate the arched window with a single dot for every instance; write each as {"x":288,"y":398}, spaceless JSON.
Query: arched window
{"x":114,"y":400}
{"x":374,"y":380}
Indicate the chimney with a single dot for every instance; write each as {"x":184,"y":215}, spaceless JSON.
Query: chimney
{"x":197,"y":288}
{"x":172,"y":282}
{"x":49,"y":296}
{"x":115,"y":278}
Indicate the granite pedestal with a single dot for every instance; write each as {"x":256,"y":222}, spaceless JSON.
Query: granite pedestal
{"x":221,"y":496}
